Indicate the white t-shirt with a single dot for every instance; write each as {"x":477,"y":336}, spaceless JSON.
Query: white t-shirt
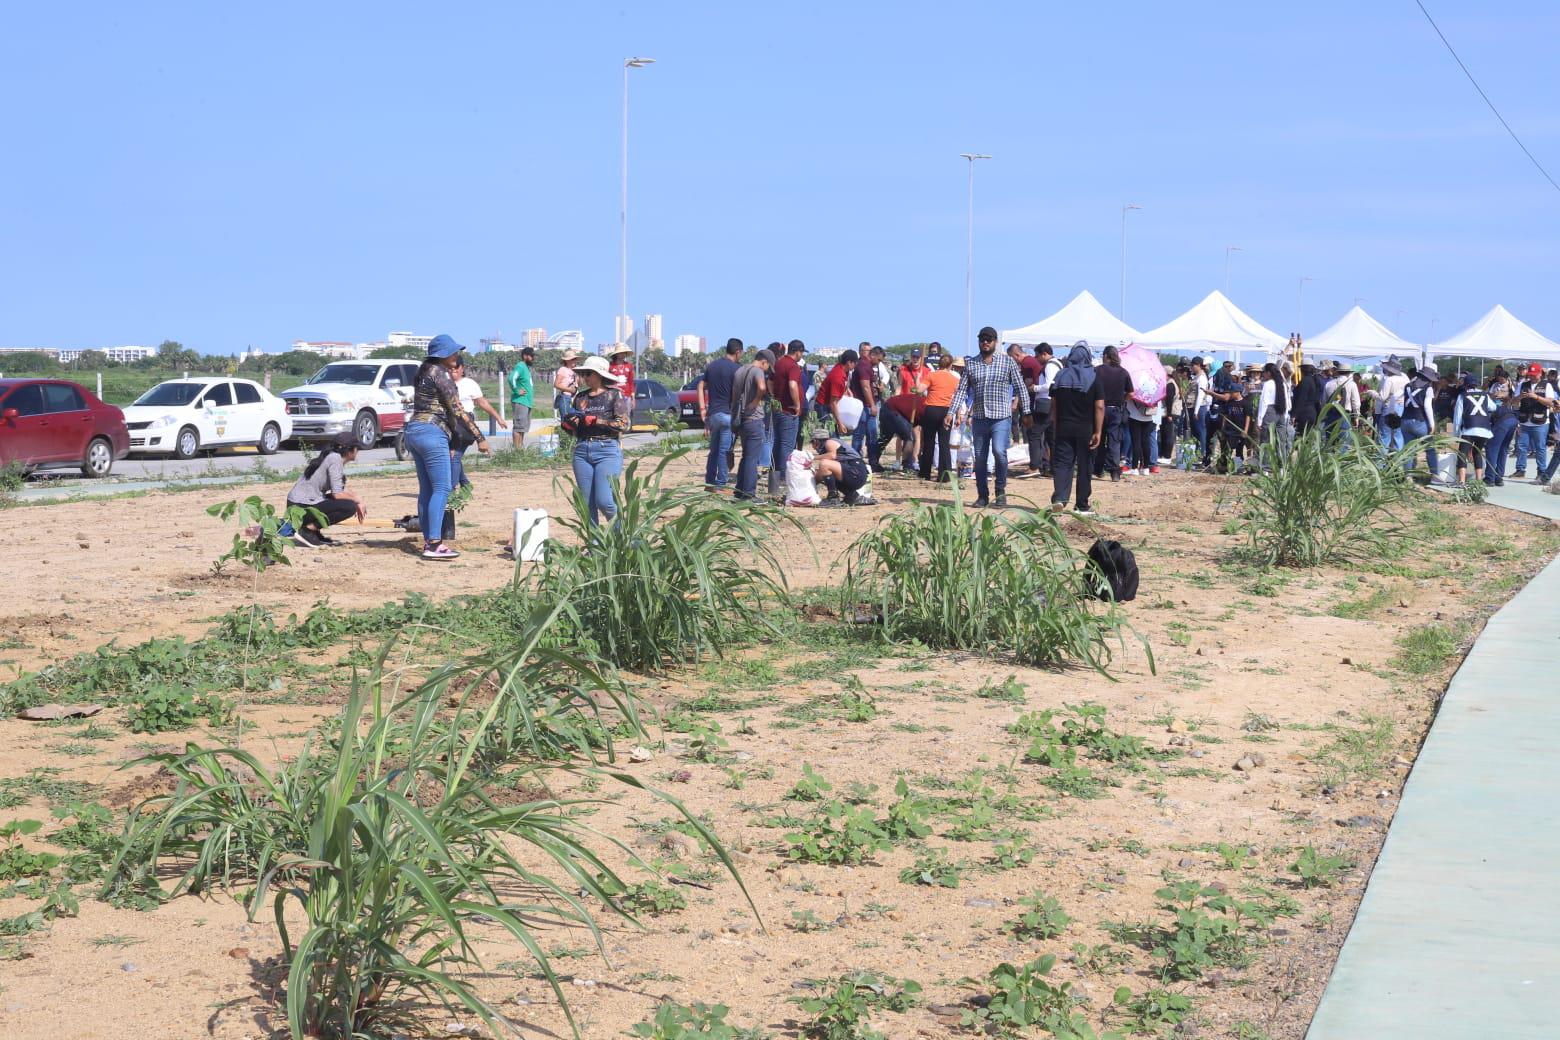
{"x":1204,"y":392}
{"x":1390,"y":393}
{"x":469,"y":390}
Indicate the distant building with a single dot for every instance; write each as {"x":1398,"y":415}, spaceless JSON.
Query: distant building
{"x":830,"y":352}
{"x":336,"y":350}
{"x":533,"y":338}
{"x":573,"y":339}
{"x":653,"y":339}
{"x":490,"y":345}
{"x":408,"y":339}
{"x":687,"y":344}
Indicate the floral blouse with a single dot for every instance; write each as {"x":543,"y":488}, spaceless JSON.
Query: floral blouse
{"x":437,"y":400}
{"x":613,"y":410}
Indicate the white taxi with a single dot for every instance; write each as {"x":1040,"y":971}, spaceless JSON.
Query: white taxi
{"x":183,"y":416}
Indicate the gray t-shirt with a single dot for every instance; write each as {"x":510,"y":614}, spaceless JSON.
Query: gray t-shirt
{"x":329,"y":476}
{"x":747,"y":398}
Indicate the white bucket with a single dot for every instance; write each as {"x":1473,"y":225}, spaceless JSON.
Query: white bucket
{"x":1446,"y":465}
{"x":530,"y":535}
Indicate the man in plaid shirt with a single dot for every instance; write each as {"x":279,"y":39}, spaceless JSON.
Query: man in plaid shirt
{"x":991,"y":383}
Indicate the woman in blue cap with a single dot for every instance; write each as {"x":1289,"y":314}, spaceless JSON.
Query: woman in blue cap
{"x":436,"y":415}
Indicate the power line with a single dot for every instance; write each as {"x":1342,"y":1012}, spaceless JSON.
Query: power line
{"x":1537,"y":165}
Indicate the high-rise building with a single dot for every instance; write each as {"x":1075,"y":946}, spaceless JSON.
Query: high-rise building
{"x":687,"y":344}
{"x":533,"y":337}
{"x":408,"y":339}
{"x":653,"y":340}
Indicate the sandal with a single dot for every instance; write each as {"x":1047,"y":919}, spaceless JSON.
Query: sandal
{"x":438,"y":551}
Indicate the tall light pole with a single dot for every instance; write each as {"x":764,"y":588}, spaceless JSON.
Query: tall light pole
{"x":1227,"y":251}
{"x":969,"y":256}
{"x":625,"y":323}
{"x":1122,"y":311}
{"x":1300,"y":306}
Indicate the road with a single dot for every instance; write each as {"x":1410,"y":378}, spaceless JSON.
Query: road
{"x":225,"y":467}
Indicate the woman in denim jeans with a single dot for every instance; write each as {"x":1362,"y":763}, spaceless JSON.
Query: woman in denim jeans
{"x":598,"y":414}
{"x":436,"y":414}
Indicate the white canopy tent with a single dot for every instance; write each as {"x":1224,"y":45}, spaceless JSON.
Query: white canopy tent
{"x":1498,"y":335}
{"x":1082,"y":319}
{"x":1214,"y":325}
{"x":1358,"y":335}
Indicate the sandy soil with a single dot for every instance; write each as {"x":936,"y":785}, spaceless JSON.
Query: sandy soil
{"x":1245,"y":664}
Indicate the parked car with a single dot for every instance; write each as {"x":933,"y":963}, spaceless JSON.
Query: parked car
{"x":369,"y":398}
{"x":651,"y":400}
{"x":688,"y":404}
{"x":48,"y":423}
{"x":181,"y":417}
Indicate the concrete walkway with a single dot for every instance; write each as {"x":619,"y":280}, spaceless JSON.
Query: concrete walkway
{"x":1458,"y":935}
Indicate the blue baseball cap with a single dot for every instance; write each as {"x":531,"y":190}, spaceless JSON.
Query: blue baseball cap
{"x":442,"y":346}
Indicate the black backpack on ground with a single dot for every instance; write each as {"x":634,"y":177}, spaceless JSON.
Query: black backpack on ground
{"x":1116,"y":571}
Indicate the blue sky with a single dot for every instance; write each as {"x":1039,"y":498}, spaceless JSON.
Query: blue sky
{"x":229,"y":175}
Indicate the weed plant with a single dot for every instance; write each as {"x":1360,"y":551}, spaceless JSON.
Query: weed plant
{"x":1335,"y":499}
{"x":677,"y":576}
{"x":390,"y":836}
{"x":953,"y":579}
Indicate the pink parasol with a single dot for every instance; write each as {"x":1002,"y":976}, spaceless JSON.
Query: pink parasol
{"x":1147,"y":372}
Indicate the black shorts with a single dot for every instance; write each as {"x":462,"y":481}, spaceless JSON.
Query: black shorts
{"x":853,"y":475}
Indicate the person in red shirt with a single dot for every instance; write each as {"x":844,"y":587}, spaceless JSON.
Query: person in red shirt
{"x":623,"y":368}
{"x":836,"y":385}
{"x":913,"y":374}
{"x":899,"y":417}
{"x":785,"y":384}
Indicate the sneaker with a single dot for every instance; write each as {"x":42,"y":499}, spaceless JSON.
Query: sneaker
{"x":1057,"y":507}
{"x":980,"y":503}
{"x":305,"y":538}
{"x":1001,"y":501}
{"x":1083,"y":511}
{"x":438,"y":552}
{"x":862,"y":499}
{"x":1153,"y":469}
{"x":327,"y":540}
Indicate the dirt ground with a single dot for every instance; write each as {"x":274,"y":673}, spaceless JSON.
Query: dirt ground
{"x":1246,"y":663}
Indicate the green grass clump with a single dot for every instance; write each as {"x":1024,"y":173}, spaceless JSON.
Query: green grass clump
{"x":953,"y":579}
{"x":679,"y":574}
{"x":387,"y":837}
{"x":1334,"y":499}
{"x":1426,"y":649}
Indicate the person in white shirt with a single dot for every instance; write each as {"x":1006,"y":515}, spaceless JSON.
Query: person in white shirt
{"x":1202,"y":400}
{"x":1341,"y":391}
{"x":1389,"y":403}
{"x":471,"y":399}
{"x":1273,"y":409}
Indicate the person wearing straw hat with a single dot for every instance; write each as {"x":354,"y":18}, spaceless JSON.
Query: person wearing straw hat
{"x":436,"y":419}
{"x":623,"y":368}
{"x":565,"y":381}
{"x":597,"y":416}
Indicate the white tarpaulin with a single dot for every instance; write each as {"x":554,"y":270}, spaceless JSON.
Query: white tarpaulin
{"x":1358,"y":335}
{"x":1082,"y":319}
{"x":1215,"y":324}
{"x":1498,"y":335}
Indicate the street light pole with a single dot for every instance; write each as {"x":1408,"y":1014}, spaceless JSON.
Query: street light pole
{"x":969,"y":256}
{"x":1122,"y":311}
{"x":1227,"y":251}
{"x":624,"y":324}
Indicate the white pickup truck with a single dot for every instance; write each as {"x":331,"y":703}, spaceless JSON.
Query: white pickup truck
{"x":368,"y":398}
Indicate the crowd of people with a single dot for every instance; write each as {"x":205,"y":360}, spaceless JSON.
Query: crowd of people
{"x":1078,"y":422}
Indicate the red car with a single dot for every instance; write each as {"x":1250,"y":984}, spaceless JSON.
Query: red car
{"x":47,"y":423}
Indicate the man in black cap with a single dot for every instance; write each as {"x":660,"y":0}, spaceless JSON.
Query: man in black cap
{"x":521,"y":395}
{"x":749,"y":394}
{"x":990,"y":384}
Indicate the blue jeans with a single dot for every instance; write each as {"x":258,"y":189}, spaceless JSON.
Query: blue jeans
{"x":1199,"y":423}
{"x":1413,"y":429}
{"x":1500,"y":443}
{"x":458,"y":469}
{"x":430,"y":448}
{"x":1531,"y":440}
{"x":718,"y":424}
{"x":786,"y":427}
{"x":990,"y":435}
{"x":866,"y":431}
{"x":1107,"y":457}
{"x":597,"y":463}
{"x":751,"y":433}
